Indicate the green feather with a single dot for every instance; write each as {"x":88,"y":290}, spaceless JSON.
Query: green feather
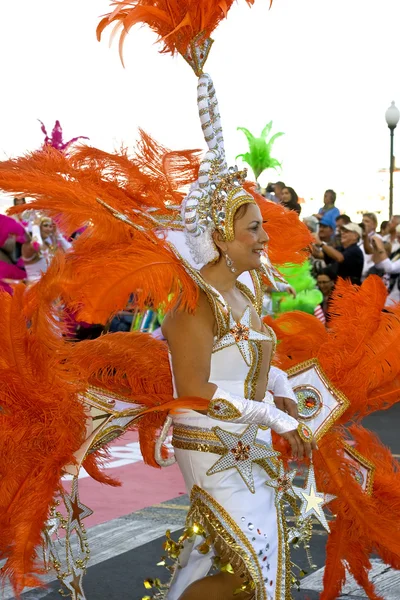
{"x":259,"y":156}
{"x":308,"y":297}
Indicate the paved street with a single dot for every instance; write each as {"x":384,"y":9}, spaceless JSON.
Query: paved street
{"x":127,"y":545}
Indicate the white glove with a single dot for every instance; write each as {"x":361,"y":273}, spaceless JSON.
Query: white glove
{"x":228,"y":407}
{"x":279,"y":385}
{"x":65,"y":244}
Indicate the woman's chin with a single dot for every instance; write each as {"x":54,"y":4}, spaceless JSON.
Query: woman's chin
{"x":255,"y":262}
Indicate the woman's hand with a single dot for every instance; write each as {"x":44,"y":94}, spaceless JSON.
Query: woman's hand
{"x":300,"y":448}
{"x":287,"y":405}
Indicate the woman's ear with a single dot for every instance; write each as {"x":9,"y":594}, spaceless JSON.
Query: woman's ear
{"x":219,"y":241}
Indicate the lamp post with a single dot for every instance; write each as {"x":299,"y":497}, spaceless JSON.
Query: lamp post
{"x":392,"y":116}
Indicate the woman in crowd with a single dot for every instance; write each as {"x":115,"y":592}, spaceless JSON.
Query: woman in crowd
{"x":38,"y":252}
{"x":290,"y":199}
{"x":326,"y":280}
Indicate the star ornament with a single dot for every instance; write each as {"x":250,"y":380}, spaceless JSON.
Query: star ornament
{"x":241,"y":451}
{"x":312,"y":502}
{"x":241,"y":334}
{"x":73,"y":583}
{"x":76,"y":510}
{"x":283,"y":483}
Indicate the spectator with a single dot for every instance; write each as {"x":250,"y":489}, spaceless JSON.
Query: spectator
{"x":326,"y":282}
{"x":289,"y":199}
{"x":392,"y":235}
{"x":348,"y":259}
{"x":329,"y":211}
{"x":369,"y":225}
{"x":324,"y":235}
{"x":273,"y":191}
{"x":340,"y":221}
{"x":388,"y":265}
{"x":384,"y":230}
{"x":311,"y":223}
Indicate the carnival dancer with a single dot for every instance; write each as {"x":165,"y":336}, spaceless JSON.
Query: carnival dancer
{"x":202,"y":253}
{"x":38,"y":252}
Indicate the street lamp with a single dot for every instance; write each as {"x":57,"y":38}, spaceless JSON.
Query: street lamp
{"x":392,"y":116}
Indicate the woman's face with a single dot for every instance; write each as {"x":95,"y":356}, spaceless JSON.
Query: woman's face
{"x":369,"y":224}
{"x":250,"y":239}
{"x":46,"y":229}
{"x":286,"y":196}
{"x":325,"y":284}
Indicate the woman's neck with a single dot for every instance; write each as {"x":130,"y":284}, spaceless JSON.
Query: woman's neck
{"x":220,"y":276}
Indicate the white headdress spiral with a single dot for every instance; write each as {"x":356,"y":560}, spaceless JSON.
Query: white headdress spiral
{"x":217,"y":194}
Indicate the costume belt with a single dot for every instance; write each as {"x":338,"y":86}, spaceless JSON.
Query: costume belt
{"x":188,"y":437}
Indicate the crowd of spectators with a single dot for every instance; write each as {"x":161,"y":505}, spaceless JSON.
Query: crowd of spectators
{"x":340,"y":248}
{"x":346,"y":249}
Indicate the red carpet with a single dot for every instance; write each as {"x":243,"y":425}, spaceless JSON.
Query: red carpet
{"x":141,"y":485}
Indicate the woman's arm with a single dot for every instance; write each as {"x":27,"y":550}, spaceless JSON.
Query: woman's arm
{"x":191,"y":339}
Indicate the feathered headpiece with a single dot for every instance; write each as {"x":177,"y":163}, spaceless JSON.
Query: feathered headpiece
{"x":56,"y":139}
{"x":185,"y":27}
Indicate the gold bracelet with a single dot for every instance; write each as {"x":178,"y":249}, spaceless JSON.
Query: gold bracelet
{"x":305,"y":433}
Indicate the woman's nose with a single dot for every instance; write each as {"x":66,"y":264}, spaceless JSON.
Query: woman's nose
{"x":264,"y":237}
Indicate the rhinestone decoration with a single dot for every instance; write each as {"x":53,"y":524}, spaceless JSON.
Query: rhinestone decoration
{"x":309,"y":402}
{"x":241,"y":334}
{"x":283,"y":484}
{"x":241,"y":457}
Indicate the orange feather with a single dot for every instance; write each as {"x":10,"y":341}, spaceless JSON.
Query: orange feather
{"x":175,"y":23}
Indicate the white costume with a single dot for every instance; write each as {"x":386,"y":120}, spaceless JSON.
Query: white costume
{"x":230,"y":500}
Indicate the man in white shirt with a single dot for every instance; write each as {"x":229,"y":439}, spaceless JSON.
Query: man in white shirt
{"x":392,"y":236}
{"x":369,"y":226}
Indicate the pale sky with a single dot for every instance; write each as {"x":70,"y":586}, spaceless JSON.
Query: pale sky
{"x":324,"y":71}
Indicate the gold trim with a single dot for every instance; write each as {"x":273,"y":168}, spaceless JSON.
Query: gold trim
{"x":305,"y":387}
{"x":369,"y":487}
{"x":195,"y":433}
{"x":258,"y":290}
{"x":230,"y":413}
{"x":308,"y":432}
{"x":231,"y":207}
{"x":343,"y":401}
{"x":233,"y":547}
{"x":198,"y":447}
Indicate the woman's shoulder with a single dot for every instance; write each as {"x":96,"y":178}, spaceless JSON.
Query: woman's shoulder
{"x":185,"y":321}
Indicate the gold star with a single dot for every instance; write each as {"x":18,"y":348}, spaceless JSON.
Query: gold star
{"x":73,"y":582}
{"x":313,"y":501}
{"x":76,"y":510}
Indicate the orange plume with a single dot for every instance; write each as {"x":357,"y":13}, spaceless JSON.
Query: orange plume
{"x":41,"y":426}
{"x":289,"y":237}
{"x":370,"y":522}
{"x":176,"y":22}
{"x":358,"y":353}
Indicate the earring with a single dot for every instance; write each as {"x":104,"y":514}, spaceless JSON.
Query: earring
{"x":229,"y":263}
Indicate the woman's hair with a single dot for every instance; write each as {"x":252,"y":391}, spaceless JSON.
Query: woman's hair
{"x":294,"y":200}
{"x":384,"y":224}
{"x":241,"y":211}
{"x":373,"y":217}
{"x":329,"y":272}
